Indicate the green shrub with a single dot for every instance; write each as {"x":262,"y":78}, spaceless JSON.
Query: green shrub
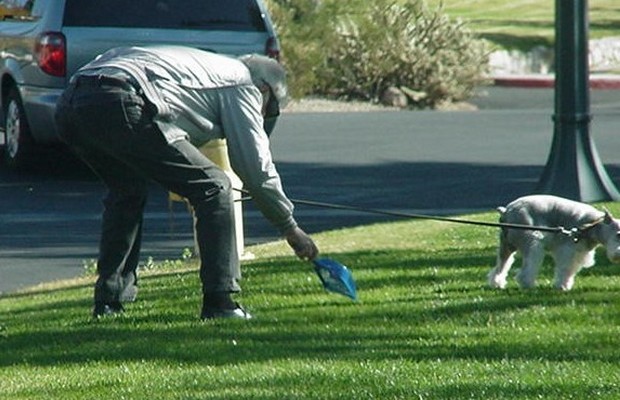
{"x":357,"y":49}
{"x":404,"y":45}
{"x":300,"y":40}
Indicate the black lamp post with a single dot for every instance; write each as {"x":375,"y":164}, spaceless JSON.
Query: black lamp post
{"x":574,"y":169}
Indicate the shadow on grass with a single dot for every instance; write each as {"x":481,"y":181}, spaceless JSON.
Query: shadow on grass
{"x":416,"y":309}
{"x":605,"y":25}
{"x":516,"y":390}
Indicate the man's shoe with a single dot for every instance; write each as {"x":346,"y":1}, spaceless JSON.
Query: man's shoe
{"x":129,"y":290}
{"x":102,"y":309}
{"x":129,"y":294}
{"x":238,"y":312}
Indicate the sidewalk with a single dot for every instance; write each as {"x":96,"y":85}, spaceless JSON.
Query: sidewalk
{"x":597,"y":81}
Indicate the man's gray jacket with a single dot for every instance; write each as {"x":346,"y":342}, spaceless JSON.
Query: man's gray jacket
{"x":201,"y":96}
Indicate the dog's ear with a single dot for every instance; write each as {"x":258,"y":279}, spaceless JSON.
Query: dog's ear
{"x":608,"y":216}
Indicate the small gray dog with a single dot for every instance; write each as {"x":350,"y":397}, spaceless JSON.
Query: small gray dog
{"x":570,"y":253}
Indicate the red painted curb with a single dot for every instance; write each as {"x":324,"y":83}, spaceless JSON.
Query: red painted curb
{"x":608,"y":82}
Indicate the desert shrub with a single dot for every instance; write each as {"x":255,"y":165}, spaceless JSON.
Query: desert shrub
{"x":357,"y":49}
{"x":405,"y":45}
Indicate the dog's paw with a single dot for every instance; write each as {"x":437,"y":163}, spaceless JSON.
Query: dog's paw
{"x":565,"y":284}
{"x":525,"y":280}
{"x":496,"y":281}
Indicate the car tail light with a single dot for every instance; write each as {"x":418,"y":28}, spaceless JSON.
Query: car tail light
{"x":271,"y":48}
{"x":51,"y":53}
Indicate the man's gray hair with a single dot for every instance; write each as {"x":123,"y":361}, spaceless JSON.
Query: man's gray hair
{"x":267,"y":70}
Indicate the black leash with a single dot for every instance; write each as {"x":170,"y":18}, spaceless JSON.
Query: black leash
{"x":574,"y":233}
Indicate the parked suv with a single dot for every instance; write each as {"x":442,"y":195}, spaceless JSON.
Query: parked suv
{"x":43,"y":42}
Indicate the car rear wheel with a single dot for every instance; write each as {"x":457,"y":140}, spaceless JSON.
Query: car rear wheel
{"x":17,"y":139}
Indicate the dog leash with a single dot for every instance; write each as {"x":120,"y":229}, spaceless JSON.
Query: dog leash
{"x":574,"y":233}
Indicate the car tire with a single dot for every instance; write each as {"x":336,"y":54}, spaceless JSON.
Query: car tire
{"x":17,"y":138}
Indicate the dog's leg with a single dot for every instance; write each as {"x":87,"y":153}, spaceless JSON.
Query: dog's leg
{"x":505,"y":257}
{"x":533,"y":255}
{"x":568,"y":264}
{"x":589,"y":260}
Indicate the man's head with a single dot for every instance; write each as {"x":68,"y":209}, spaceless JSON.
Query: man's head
{"x":265,"y":70}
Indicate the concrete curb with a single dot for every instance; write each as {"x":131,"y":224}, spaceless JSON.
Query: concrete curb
{"x":597,"y":81}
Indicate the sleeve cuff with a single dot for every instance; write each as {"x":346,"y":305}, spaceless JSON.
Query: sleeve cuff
{"x":287,"y":225}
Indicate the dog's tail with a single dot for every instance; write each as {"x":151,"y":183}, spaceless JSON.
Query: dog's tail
{"x":502,"y":211}
{"x":503,"y":231}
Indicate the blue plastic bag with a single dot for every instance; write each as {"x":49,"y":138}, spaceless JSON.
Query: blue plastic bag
{"x":335,"y":277}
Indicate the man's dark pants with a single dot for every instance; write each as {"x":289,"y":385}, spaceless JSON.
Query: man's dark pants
{"x":110,"y":126}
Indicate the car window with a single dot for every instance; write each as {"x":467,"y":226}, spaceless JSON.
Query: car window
{"x":16,"y":9}
{"x":237,"y":15}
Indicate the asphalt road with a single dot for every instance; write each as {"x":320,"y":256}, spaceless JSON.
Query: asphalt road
{"x":414,"y":161}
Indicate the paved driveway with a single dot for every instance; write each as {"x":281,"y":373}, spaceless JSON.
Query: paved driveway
{"x":424,"y":162}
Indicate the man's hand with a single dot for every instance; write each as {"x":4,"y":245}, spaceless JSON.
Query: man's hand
{"x":302,"y":244}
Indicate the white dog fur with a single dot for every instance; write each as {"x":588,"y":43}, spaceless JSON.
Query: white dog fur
{"x":570,"y":254}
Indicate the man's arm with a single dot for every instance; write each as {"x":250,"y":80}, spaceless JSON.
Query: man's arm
{"x":250,"y":157}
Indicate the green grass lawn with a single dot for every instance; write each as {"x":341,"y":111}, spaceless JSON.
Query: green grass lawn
{"x":425,"y":327}
{"x":526,"y":23}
